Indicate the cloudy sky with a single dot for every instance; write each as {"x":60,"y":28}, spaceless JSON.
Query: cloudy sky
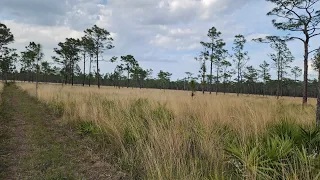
{"x":161,"y":34}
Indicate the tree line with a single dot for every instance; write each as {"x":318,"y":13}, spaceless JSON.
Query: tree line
{"x":227,"y":72}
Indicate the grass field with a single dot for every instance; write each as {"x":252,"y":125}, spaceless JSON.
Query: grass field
{"x":158,"y":134}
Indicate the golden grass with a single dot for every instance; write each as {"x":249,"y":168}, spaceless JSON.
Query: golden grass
{"x":166,"y":134}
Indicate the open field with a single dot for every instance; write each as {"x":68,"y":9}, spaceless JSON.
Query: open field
{"x":158,"y":134}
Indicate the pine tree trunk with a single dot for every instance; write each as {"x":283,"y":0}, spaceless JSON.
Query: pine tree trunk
{"x":72,"y":74}
{"x":6,"y":77}
{"x":211,"y":85}
{"x":295,"y":88}
{"x":305,"y":83}
{"x":84,"y":69}
{"x":238,"y":84}
{"x":278,"y":86}
{"x":281,"y":82}
{"x":203,"y":85}
{"x":98,"y":75}
{"x":264,"y":89}
{"x":118,"y":82}
{"x":141,"y":81}
{"x":65,"y":79}
{"x":318,"y":102}
{"x":217,"y":81}
{"x":37,"y":72}
{"x":128,"y":80}
{"x":90,"y":65}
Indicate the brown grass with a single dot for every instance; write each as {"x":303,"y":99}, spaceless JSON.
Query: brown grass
{"x":166,"y":134}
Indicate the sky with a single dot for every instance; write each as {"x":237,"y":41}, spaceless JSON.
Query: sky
{"x":160,"y":34}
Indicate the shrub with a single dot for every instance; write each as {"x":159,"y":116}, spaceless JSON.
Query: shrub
{"x":87,"y":127}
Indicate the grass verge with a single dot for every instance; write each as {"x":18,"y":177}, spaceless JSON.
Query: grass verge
{"x":36,"y":146}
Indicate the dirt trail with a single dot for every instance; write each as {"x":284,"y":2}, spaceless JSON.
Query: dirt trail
{"x":33,"y":145}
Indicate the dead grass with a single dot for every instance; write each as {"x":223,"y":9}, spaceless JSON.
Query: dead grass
{"x":165,"y":134}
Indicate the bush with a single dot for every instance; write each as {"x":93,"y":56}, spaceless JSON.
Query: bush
{"x":285,"y":150}
{"x":57,"y":108}
{"x":86,"y":128}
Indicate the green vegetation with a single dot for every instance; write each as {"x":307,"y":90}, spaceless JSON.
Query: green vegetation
{"x":284,"y":151}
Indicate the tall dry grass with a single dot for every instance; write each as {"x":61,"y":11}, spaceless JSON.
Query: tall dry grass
{"x":166,"y":134}
{"x":1,"y":88}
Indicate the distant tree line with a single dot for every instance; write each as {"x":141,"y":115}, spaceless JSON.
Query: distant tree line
{"x":249,"y":84}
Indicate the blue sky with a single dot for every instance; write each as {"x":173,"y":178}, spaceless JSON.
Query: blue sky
{"x":161,"y":34}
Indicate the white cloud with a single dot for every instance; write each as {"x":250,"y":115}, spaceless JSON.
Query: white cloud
{"x":163,"y":41}
{"x":43,"y":34}
{"x":48,"y":36}
{"x":181,"y":32}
